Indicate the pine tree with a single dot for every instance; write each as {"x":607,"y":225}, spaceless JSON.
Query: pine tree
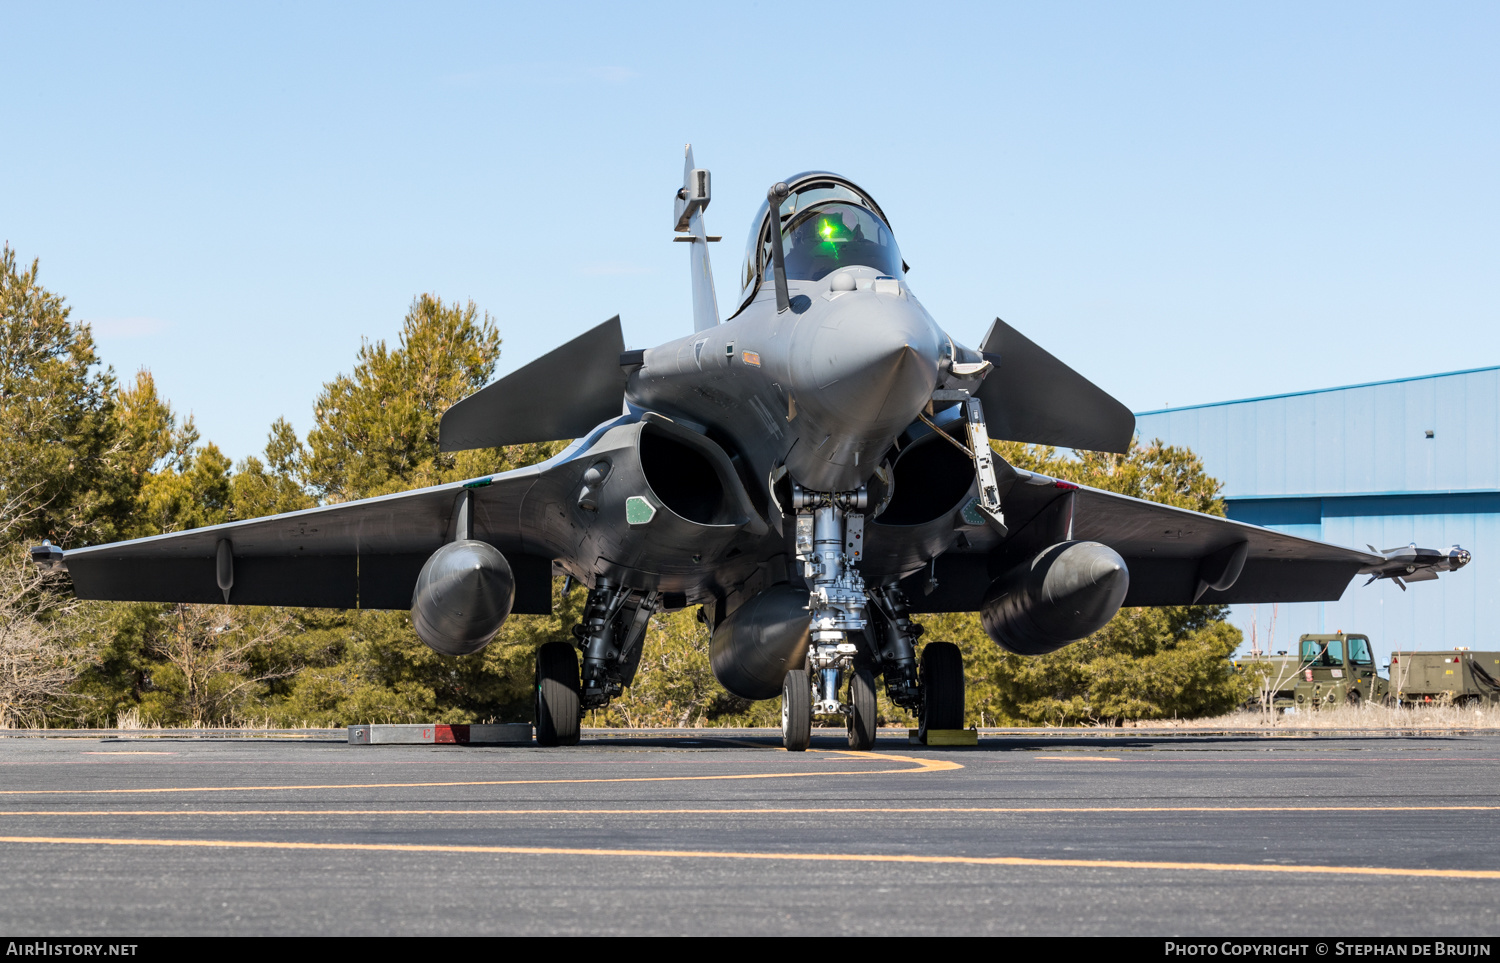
{"x":61,"y":460}
{"x":376,"y":432}
{"x":271,"y":487}
{"x":377,"y":428}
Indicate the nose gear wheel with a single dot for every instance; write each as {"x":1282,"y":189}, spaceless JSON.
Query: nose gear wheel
{"x":860,"y":720}
{"x":796,"y":711}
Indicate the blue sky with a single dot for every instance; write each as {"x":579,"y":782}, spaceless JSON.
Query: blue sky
{"x":1186,"y":202}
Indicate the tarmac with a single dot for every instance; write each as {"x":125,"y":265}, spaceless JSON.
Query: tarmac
{"x":721,"y":832}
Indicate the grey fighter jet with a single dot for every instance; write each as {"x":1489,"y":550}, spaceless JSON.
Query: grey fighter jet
{"x":814,"y":472}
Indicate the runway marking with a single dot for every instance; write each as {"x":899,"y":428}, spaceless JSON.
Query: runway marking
{"x":1077,"y":758}
{"x":819,"y":811}
{"x":787,"y":857}
{"x":126,"y":752}
{"x":920,"y":766}
{"x":449,"y":758}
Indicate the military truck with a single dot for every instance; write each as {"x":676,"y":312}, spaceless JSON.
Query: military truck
{"x":1459,"y":677}
{"x":1339,"y":668}
{"x":1273,"y":679}
{"x":1327,"y":670}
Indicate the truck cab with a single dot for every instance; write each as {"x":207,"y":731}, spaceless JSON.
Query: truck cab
{"x":1338,"y":668}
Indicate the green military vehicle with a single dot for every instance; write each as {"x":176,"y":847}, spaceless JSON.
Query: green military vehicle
{"x":1459,"y":677}
{"x":1273,"y":679}
{"x":1327,"y":670}
{"x":1339,"y":668}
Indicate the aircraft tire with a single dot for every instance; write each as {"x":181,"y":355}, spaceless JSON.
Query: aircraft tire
{"x":557,"y":702}
{"x":942,"y":688}
{"x":796,"y":711}
{"x":861,"y":718}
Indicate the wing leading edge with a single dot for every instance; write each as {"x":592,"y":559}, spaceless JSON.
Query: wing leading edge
{"x":1174,"y":556}
{"x":363,"y":554}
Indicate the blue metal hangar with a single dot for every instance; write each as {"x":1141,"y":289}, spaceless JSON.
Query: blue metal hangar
{"x":1387,"y":464}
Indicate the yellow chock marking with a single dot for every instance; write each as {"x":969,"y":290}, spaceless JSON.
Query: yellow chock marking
{"x":789,"y":857}
{"x":918,"y":766}
{"x":945,"y":737}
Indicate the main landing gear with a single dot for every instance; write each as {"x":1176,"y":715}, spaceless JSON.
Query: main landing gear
{"x":609,"y":638}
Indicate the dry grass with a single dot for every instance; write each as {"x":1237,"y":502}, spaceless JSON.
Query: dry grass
{"x":1364,"y":717}
{"x":130,"y":720}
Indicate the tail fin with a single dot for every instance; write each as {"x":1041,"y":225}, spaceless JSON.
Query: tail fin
{"x":692,"y":199}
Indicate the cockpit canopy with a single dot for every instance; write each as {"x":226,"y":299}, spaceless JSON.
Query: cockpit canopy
{"x":826,"y":223}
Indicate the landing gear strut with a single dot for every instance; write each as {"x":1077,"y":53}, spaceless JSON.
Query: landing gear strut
{"x":893,"y":636}
{"x":609,"y":636}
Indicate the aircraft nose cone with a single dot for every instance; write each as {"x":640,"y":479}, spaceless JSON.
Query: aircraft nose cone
{"x":871,"y":364}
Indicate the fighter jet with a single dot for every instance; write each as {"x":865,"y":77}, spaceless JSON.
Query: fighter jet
{"x":813,"y":472}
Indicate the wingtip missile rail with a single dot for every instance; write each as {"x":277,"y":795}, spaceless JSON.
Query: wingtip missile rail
{"x":1409,"y":563}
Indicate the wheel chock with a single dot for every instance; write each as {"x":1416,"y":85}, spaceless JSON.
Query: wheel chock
{"x":945,"y":737}
{"x":407,"y":734}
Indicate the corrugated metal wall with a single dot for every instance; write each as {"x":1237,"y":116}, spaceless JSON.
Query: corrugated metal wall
{"x":1357,"y":466}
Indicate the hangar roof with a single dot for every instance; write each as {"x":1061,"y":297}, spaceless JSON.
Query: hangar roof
{"x":1315,"y":391}
{"x":1428,"y":434}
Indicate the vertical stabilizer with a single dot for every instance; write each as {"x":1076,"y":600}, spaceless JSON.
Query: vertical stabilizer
{"x":692,"y":200}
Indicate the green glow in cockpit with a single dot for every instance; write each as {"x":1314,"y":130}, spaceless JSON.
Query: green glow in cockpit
{"x":832,"y":235}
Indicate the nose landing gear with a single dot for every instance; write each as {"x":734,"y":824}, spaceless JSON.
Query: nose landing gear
{"x":830,"y":543}
{"x":849,"y":647}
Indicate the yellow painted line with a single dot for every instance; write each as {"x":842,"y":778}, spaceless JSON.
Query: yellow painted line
{"x":920,"y":766}
{"x":1078,"y":758}
{"x":787,"y":857}
{"x":780,"y":811}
